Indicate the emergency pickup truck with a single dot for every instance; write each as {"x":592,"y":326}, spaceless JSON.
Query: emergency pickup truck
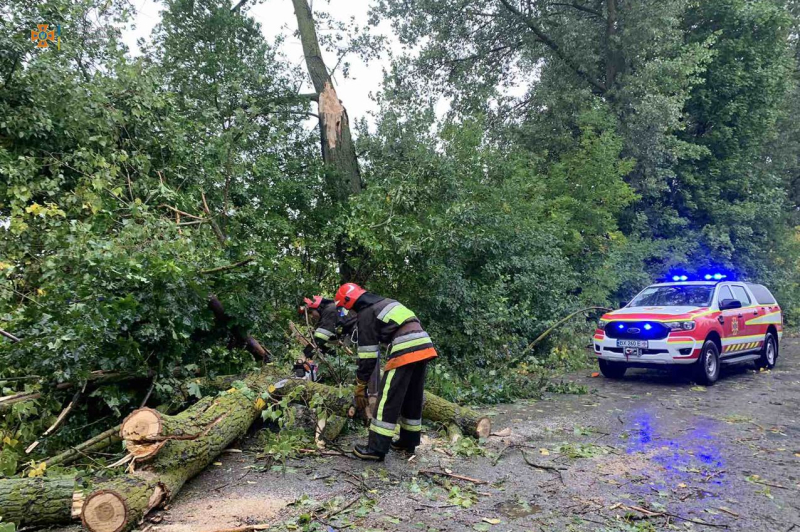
{"x":691,"y":324}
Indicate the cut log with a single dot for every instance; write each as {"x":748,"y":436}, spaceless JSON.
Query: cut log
{"x":470,"y":422}
{"x":328,"y":429}
{"x":117,"y":505}
{"x":339,"y":402}
{"x":36,"y":501}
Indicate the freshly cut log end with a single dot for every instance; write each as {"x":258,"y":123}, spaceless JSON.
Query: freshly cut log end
{"x":104,"y":511}
{"x":484,"y":427}
{"x":142,"y":424}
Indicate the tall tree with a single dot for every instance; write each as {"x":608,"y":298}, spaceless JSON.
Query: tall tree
{"x":338,"y":150}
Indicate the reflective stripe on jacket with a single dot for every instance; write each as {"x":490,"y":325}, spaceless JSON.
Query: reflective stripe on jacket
{"x":391,"y":323}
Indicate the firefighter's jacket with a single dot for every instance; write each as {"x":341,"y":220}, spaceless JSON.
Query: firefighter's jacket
{"x":326,"y":327}
{"x":382,"y":321}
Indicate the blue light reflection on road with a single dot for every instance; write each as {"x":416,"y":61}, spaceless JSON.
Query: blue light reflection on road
{"x":687,"y":455}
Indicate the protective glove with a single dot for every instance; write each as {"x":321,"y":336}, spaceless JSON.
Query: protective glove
{"x":360,"y":397}
{"x":308,"y":351}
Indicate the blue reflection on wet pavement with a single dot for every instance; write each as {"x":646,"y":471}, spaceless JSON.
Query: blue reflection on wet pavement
{"x":690,"y":454}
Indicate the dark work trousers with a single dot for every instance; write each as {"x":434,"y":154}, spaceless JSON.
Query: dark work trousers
{"x":399,"y":403}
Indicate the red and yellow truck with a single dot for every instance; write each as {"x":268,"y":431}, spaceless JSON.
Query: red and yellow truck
{"x":699,"y":324}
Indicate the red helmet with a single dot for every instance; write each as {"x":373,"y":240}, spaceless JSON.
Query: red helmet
{"x":348,"y":294}
{"x":311,"y":304}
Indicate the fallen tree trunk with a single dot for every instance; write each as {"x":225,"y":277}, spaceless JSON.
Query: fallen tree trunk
{"x":469,"y":421}
{"x":117,"y":505}
{"x":36,"y":501}
{"x":179,"y":447}
{"x":434,"y":408}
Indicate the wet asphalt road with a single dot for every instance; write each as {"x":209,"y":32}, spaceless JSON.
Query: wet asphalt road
{"x":646,"y":453}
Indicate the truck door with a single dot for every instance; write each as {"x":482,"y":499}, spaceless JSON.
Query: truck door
{"x":732,"y":323}
{"x":749,"y":312}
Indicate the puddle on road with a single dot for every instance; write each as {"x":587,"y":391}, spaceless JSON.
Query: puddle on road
{"x":686,"y":455}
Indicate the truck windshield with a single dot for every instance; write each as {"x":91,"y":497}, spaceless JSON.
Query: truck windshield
{"x":674,"y":296}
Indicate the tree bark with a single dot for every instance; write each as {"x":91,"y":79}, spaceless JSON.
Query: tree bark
{"x":117,"y":505}
{"x":470,"y":422}
{"x":338,"y":151}
{"x":36,"y":501}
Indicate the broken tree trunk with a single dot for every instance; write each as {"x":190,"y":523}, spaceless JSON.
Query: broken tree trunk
{"x":343,"y":176}
{"x":117,"y":505}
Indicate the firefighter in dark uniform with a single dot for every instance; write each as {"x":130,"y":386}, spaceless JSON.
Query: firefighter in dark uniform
{"x":323,"y":315}
{"x":382,"y":321}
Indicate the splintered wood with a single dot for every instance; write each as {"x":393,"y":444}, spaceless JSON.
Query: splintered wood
{"x":331,"y":111}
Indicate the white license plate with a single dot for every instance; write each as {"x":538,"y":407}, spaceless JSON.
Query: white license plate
{"x":632,"y":343}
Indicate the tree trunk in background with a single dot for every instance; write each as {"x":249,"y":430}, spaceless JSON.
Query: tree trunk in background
{"x":239,"y":338}
{"x":338,"y":150}
{"x":614,"y":60}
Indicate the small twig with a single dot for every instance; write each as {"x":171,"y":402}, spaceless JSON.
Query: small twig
{"x":500,"y":454}
{"x":452,"y":475}
{"x":771,"y":485}
{"x":343,"y":508}
{"x":182,"y":213}
{"x":149,"y":392}
{"x":729,"y":512}
{"x":228,"y":266}
{"x":544,"y":467}
{"x":9,"y":336}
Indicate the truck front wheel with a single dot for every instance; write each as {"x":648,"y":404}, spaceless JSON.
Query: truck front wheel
{"x":707,"y":367}
{"x":612,"y":370}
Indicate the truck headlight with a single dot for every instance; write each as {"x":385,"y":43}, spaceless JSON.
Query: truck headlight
{"x":680,"y":325}
{"x":601,"y":324}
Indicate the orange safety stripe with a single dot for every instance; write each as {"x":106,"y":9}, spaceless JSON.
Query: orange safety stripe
{"x":410,"y":358}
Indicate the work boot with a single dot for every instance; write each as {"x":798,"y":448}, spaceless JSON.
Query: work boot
{"x":402,"y":448}
{"x":366,"y":453}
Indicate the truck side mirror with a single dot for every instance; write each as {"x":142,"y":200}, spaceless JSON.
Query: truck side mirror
{"x":728,"y":304}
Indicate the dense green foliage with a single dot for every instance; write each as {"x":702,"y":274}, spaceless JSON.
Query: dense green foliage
{"x":589,"y":148}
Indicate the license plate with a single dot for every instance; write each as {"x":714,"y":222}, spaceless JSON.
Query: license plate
{"x":632,"y":343}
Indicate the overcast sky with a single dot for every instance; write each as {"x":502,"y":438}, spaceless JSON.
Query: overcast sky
{"x":277,"y":16}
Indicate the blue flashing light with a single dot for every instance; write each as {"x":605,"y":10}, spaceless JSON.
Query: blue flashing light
{"x":647,"y":326}
{"x":680,"y":278}
{"x":719,"y":276}
{"x":620,"y":326}
{"x":708,"y":277}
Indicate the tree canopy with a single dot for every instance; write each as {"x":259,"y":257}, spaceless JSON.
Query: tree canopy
{"x":590,"y":147}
